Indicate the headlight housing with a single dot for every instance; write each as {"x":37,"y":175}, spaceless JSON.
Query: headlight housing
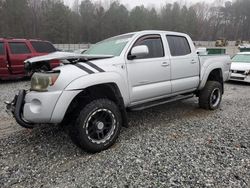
{"x":41,"y":81}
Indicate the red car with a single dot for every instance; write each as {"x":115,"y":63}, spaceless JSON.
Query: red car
{"x":13,"y":53}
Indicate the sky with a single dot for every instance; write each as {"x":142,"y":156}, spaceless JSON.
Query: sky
{"x":146,"y":3}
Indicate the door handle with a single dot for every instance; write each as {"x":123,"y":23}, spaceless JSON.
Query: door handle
{"x":193,"y":61}
{"x":165,"y":64}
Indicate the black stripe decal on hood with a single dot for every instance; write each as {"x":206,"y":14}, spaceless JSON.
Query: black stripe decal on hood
{"x":94,"y":66}
{"x":84,"y":68}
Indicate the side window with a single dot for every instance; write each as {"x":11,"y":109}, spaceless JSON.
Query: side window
{"x":43,"y":47}
{"x":154,"y":44}
{"x":2,"y":52}
{"x":19,"y":48}
{"x":178,"y":45}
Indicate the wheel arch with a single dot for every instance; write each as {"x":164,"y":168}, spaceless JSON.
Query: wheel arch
{"x":109,"y":90}
{"x":213,"y":74}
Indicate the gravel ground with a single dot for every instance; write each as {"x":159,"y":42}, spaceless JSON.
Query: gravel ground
{"x":177,"y":145}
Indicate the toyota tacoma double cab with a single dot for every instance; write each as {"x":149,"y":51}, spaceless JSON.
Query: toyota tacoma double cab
{"x":132,"y":72}
{"x":13,"y":53}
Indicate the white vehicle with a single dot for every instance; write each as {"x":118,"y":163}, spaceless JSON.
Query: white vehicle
{"x":128,"y":72}
{"x":240,"y":68}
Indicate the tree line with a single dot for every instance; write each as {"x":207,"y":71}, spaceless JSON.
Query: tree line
{"x":89,"y":22}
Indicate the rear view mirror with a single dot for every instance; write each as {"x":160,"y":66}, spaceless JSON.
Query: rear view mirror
{"x":139,"y":51}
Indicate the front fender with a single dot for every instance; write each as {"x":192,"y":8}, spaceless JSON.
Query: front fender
{"x":62,"y":105}
{"x":101,"y":78}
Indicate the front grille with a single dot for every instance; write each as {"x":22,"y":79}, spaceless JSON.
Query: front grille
{"x":241,"y":72}
{"x":237,"y":78}
{"x":238,"y":71}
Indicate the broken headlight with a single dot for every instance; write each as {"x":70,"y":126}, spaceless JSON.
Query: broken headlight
{"x":41,"y":81}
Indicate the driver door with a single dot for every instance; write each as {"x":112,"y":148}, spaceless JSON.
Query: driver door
{"x":149,"y":75}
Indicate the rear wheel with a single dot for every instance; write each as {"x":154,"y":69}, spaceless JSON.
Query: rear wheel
{"x":211,"y":96}
{"x":98,"y":125}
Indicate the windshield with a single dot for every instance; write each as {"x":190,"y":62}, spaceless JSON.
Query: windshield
{"x":242,"y":58}
{"x":112,"y":46}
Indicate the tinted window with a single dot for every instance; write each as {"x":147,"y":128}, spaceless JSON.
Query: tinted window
{"x":178,"y":45}
{"x":19,"y":48}
{"x":43,"y":47}
{"x":1,"y":48}
{"x":154,"y":45}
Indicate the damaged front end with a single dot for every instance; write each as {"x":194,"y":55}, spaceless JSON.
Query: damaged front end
{"x":36,"y":106}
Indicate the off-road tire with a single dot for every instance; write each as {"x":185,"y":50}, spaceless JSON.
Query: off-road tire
{"x":207,"y":94}
{"x":86,"y":120}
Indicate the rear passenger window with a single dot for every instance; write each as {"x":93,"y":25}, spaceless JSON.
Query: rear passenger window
{"x":178,"y":45}
{"x":154,"y":44}
{"x":1,"y":48}
{"x":19,"y":48}
{"x":43,"y":47}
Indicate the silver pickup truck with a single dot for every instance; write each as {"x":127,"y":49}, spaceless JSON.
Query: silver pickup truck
{"x":133,"y":71}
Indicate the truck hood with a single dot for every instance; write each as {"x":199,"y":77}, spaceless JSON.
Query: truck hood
{"x":65,"y":56}
{"x":240,"y":66}
{"x":34,"y":63}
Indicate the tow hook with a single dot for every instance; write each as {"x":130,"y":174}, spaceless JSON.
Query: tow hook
{"x":10,"y":106}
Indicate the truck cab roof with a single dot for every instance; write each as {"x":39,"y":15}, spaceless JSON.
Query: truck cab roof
{"x":156,"y":32}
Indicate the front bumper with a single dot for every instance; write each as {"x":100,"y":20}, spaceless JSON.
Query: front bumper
{"x":33,"y":107}
{"x":30,"y":108}
{"x":38,"y":106}
{"x":240,"y":77}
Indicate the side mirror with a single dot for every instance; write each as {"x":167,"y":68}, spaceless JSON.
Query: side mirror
{"x":139,"y":51}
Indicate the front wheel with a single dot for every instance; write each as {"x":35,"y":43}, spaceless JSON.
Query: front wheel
{"x":98,"y":125}
{"x":211,"y":95}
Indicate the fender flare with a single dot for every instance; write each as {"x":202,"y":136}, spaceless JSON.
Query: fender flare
{"x":205,"y":72}
{"x":80,"y":84}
